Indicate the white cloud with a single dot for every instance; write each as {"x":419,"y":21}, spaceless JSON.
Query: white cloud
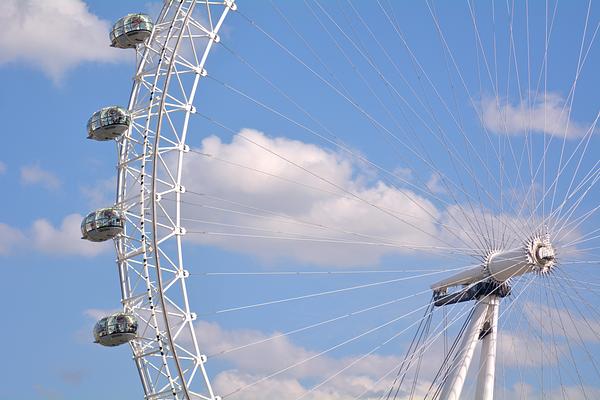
{"x":48,"y":393}
{"x":405,"y":174}
{"x":64,"y":239}
{"x":2,"y":168}
{"x":434,"y":184}
{"x":346,"y":388}
{"x":101,"y":193}
{"x":564,"y":391}
{"x":255,"y":362}
{"x":72,"y":376}
{"x":524,"y":351}
{"x":35,"y":175}
{"x":97,"y":313}
{"x":53,"y":36}
{"x":548,"y":115}
{"x":10,"y":238}
{"x":154,"y":8}
{"x":285,"y":212}
{"x":312,"y":207}
{"x":564,"y":323}
{"x":250,"y":365}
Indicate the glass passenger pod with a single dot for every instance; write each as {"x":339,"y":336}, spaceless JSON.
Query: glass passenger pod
{"x":131,"y":30}
{"x":102,"y":225}
{"x":115,"y":329}
{"x":108,"y":123}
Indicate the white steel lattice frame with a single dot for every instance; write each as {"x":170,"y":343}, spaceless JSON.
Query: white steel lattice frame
{"x":149,"y":253}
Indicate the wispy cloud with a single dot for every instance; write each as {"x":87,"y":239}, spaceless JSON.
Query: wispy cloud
{"x":97,"y":313}
{"x":2,"y":168}
{"x":549,"y":115}
{"x":101,"y":193}
{"x":35,"y":175}
{"x":64,"y":240}
{"x":569,"y":324}
{"x":522,"y":390}
{"x":72,"y":376}
{"x":153,"y":8}
{"x":10,"y":238}
{"x":44,"y":237}
{"x":47,"y":393}
{"x":434,"y":184}
{"x":53,"y":36}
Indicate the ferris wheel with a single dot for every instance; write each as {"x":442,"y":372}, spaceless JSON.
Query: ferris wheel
{"x":475,"y":233}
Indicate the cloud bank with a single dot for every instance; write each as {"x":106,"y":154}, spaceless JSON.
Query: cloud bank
{"x":35,"y":175}
{"x":53,"y":36}
{"x":297,"y":200}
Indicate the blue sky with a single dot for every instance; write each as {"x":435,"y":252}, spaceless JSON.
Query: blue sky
{"x":398,"y":152}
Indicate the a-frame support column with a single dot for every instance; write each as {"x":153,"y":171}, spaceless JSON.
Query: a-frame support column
{"x":458,"y":371}
{"x":487,"y":370}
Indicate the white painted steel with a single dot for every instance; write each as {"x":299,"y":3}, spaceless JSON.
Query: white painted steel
{"x":503,"y":265}
{"x":466,"y":277}
{"x":149,"y":253}
{"x":458,"y":371}
{"x":487,"y":369}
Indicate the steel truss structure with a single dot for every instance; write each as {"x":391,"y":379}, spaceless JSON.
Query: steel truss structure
{"x":150,"y":257}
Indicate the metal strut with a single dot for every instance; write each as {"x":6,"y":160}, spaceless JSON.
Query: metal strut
{"x":473,"y":292}
{"x":489,"y":338}
{"x":483,"y":326}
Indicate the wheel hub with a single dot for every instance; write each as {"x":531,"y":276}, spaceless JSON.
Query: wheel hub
{"x":542,"y":255}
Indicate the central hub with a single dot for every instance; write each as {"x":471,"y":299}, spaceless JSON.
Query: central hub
{"x":541,"y":254}
{"x":536,"y":255}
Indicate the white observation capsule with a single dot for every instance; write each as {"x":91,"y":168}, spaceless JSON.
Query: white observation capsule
{"x":102,"y":225}
{"x":131,"y":30}
{"x":108,"y":123}
{"x":115,"y":329}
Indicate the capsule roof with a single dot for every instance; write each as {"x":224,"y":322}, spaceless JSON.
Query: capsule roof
{"x":131,"y":30}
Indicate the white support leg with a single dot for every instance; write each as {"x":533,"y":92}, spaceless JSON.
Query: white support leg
{"x":487,"y":370}
{"x":458,"y":372}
